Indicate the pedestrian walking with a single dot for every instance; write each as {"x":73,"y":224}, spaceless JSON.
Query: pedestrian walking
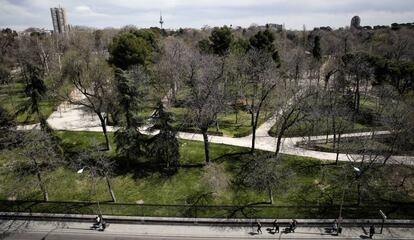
{"x":371,"y":230}
{"x":335,"y":226}
{"x":259,"y":228}
{"x":293,"y":225}
{"x":275,"y":226}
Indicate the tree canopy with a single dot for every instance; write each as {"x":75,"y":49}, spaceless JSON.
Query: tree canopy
{"x":221,"y":40}
{"x":132,"y":48}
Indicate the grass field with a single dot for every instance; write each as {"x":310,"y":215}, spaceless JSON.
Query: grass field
{"x":364,"y":122}
{"x":12,"y":97}
{"x":365,"y":145}
{"x":226,"y":121}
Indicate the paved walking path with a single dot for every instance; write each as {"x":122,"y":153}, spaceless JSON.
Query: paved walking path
{"x":77,"y":118}
{"x":75,"y":230}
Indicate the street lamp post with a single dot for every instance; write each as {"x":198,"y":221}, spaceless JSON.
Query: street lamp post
{"x":80,"y":171}
{"x":346,"y":186}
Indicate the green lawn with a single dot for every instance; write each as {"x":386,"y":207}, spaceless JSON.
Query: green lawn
{"x":227,"y":122}
{"x":357,"y":145}
{"x":363,"y":122}
{"x":307,"y":184}
{"x":12,"y":96}
{"x":320,"y":128}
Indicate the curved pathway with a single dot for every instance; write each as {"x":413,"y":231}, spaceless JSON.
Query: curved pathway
{"x":76,"y":118}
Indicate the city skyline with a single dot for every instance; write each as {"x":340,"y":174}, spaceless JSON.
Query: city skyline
{"x":196,"y":14}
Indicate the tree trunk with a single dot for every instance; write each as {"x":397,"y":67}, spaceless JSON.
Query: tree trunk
{"x":60,"y":63}
{"x":278,"y":143}
{"x":337,"y":149}
{"x":334,"y":131}
{"x":279,"y":138}
{"x":206,"y":146}
{"x":270,"y":195}
{"x":359,"y":194}
{"x":174,"y":93}
{"x":42,"y":187}
{"x":41,"y":183}
{"x":108,"y":182}
{"x":357,"y":96}
{"x":253,"y":138}
{"x":104,"y":130}
{"x":237,"y":117}
{"x":254,"y":127}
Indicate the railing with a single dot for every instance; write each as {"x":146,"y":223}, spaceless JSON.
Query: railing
{"x":207,"y":211}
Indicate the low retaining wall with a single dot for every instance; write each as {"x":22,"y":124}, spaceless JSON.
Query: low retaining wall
{"x":200,"y":221}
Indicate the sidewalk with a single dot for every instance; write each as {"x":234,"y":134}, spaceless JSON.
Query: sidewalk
{"x":190,"y":231}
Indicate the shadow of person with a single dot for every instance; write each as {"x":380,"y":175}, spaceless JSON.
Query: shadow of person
{"x":364,"y":237}
{"x":270,"y":231}
{"x":286,"y":230}
{"x":364,"y":230}
{"x":253,"y":233}
{"x":330,"y":231}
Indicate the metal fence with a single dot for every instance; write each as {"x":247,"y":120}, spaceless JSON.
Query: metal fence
{"x":208,"y":211}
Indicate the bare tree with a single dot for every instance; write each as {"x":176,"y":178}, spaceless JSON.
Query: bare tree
{"x":216,"y":178}
{"x":358,"y":70}
{"x":235,"y":82}
{"x":37,"y":154}
{"x":206,"y":98}
{"x":262,"y":78}
{"x":264,"y":174}
{"x":94,"y":80}
{"x":98,"y":164}
{"x":291,"y":111}
{"x":171,"y":67}
{"x":337,"y":116}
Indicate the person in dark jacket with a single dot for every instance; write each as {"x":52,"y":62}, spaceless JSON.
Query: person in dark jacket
{"x":276,"y":226}
{"x":259,"y":227}
{"x":371,"y":230}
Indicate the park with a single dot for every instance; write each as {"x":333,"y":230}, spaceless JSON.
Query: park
{"x":223,"y":122}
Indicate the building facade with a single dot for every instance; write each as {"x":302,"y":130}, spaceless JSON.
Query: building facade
{"x":59,"y":20}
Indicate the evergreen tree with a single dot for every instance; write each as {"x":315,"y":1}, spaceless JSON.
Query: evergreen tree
{"x":129,"y":140}
{"x":263,"y":41}
{"x":316,"y":51}
{"x":164,"y":147}
{"x":221,"y":39}
{"x":35,"y":90}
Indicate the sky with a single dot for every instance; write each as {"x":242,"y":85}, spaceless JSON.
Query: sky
{"x":21,"y":14}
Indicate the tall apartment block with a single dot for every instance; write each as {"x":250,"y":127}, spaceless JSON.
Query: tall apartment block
{"x":59,"y":20}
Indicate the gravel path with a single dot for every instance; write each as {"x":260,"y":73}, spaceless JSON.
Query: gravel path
{"x":75,"y":118}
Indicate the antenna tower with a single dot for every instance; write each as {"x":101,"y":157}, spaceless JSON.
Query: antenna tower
{"x":161,"y":21}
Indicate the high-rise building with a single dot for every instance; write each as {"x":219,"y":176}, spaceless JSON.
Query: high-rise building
{"x":59,"y":20}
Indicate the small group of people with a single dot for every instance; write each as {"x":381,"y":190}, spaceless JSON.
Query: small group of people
{"x":99,"y":224}
{"x":292,"y":226}
{"x":336,"y":228}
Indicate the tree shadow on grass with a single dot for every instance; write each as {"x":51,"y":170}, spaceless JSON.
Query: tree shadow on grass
{"x":230,"y":156}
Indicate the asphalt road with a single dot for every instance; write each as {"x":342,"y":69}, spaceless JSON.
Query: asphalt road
{"x":98,"y":236}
